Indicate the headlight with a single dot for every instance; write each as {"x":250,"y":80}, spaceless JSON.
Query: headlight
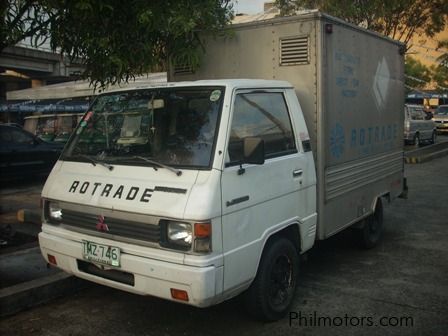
{"x":54,"y":212}
{"x":179,"y":234}
{"x":186,"y":236}
{"x":407,"y":125}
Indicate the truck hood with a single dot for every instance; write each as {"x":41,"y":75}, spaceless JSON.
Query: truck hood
{"x":125,"y":188}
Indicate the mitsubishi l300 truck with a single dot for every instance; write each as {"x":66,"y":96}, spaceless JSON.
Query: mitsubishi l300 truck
{"x":197,"y":191}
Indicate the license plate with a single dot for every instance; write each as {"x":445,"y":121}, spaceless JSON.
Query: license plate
{"x":103,"y":254}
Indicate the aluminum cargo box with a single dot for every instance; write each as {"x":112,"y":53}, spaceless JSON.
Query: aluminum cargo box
{"x":350,"y":84}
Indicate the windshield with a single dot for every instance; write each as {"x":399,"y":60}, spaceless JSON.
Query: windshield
{"x":442,"y":110}
{"x":416,"y":112}
{"x":170,"y":126}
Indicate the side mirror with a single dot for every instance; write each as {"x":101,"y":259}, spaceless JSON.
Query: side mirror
{"x":253,"y":150}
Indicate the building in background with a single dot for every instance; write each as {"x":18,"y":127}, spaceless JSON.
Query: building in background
{"x":63,"y":98}
{"x":23,"y":66}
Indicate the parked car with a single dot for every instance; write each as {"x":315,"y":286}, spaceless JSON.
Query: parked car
{"x":441,"y":119}
{"x":418,"y":126}
{"x":22,"y":154}
{"x":13,"y":124}
{"x":53,"y":127}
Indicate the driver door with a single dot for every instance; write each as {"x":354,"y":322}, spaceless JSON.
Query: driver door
{"x":257,"y":198}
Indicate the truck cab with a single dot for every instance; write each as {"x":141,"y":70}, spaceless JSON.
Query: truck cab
{"x":192,"y":192}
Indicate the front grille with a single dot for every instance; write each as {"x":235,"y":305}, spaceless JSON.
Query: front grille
{"x":111,"y":226}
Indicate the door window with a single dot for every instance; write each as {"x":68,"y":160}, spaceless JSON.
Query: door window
{"x":263,"y":115}
{"x":417,"y":114}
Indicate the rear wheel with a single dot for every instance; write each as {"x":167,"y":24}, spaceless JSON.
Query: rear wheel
{"x":271,"y":294}
{"x":371,"y":232}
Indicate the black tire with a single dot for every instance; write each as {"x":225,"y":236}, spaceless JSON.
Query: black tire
{"x":433,"y":138}
{"x":272,"y":292}
{"x":416,"y":141}
{"x":370,"y":234}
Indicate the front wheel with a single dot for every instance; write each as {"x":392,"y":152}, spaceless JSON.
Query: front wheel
{"x":433,"y":138}
{"x":271,"y":294}
{"x":416,"y":140}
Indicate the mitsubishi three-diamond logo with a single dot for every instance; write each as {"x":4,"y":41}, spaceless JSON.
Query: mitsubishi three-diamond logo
{"x":100,"y":225}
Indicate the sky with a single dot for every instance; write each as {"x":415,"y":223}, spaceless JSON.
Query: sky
{"x":248,"y":6}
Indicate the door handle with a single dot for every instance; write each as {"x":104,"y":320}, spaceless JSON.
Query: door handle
{"x":297,"y":173}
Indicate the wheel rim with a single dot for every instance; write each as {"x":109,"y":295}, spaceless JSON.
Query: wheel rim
{"x":281,"y":281}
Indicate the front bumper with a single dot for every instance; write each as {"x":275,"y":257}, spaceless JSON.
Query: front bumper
{"x":409,"y":136}
{"x":150,"y":276}
{"x":442,"y":128}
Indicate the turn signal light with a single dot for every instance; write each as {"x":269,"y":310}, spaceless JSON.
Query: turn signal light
{"x":179,"y":294}
{"x":52,"y":259}
{"x":203,"y":235}
{"x":202,"y":230}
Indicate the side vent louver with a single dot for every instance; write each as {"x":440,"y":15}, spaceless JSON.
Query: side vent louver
{"x":294,"y":50}
{"x":183,"y":69}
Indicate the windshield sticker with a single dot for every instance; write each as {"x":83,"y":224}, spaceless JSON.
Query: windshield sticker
{"x":82,"y":124}
{"x":88,"y":116}
{"x":215,"y":95}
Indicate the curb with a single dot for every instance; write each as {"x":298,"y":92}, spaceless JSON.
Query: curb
{"x":19,"y":297}
{"x":426,"y":158}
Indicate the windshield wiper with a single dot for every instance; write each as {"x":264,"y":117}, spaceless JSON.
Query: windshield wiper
{"x":95,"y":162}
{"x":156,"y":164}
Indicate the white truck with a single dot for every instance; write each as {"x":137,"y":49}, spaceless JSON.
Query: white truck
{"x":198,"y":191}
